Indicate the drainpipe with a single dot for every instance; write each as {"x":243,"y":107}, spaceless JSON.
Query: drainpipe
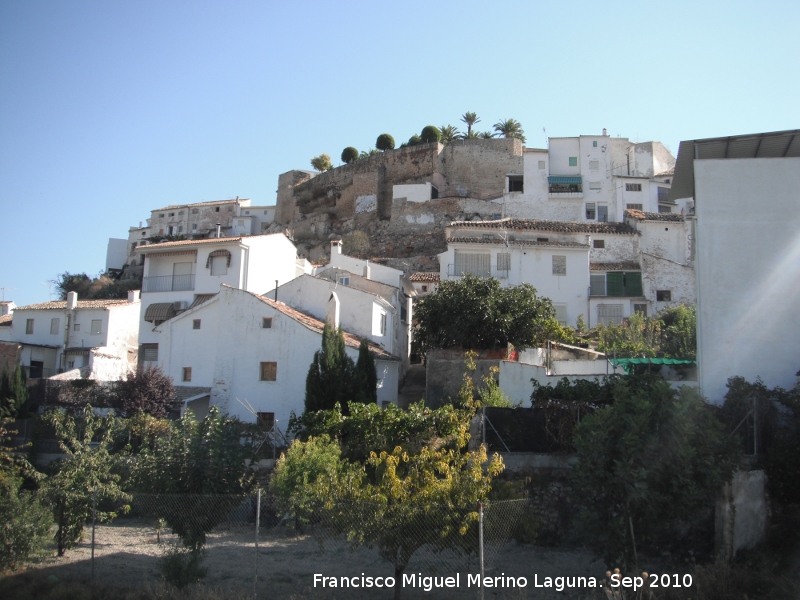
{"x":276,"y":290}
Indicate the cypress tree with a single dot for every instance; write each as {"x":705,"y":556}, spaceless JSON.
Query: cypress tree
{"x":366,"y":376}
{"x":330,"y":376}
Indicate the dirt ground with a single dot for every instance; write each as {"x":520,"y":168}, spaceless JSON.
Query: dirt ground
{"x":127,"y":554}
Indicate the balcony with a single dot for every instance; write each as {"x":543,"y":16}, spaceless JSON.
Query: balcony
{"x":168,"y":283}
{"x":454,"y":271}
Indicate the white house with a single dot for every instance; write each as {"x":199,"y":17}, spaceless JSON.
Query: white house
{"x":180,"y":275}
{"x":252,"y":220}
{"x":242,"y":346}
{"x":425,"y":282}
{"x":97,"y":336}
{"x":745,"y":190}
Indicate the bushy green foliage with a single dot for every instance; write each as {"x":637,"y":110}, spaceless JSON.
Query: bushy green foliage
{"x":356,"y":244}
{"x":14,"y":394}
{"x":429,"y":134}
{"x":414,"y":140}
{"x":678,"y":331}
{"x":489,"y":394}
{"x":650,"y":461}
{"x":349,"y":155}
{"x":671,"y":334}
{"x":449,"y":134}
{"x":104,"y":286}
{"x":322,"y":163}
{"x":182,"y":567}
{"x":384,"y":142}
{"x":147,"y":389}
{"x":85,"y":439}
{"x":474,"y":313}
{"x":26,"y":523}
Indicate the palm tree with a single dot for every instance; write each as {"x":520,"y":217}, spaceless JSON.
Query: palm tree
{"x":470,"y":119}
{"x":510,"y":128}
{"x":486,"y":135}
{"x":449,"y":134}
{"x":368,"y":153}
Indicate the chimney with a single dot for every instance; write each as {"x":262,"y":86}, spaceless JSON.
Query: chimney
{"x":336,"y":247}
{"x":332,"y":316}
{"x":219,"y":230}
{"x":604,"y":131}
{"x":134,"y":296}
{"x":72,"y":300}
{"x":366,"y":270}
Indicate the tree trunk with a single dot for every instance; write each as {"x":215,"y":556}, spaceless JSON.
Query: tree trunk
{"x":60,"y":533}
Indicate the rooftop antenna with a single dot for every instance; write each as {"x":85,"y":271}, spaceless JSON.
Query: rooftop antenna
{"x":4,"y":292}
{"x":546,"y":141}
{"x":49,"y":285}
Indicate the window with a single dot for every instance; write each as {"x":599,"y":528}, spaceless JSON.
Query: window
{"x":542,"y":239}
{"x":240,"y":222}
{"x":29,"y":326}
{"x":216,"y":209}
{"x":594,"y":185}
{"x":172,"y":214}
{"x":609,"y":313}
{"x":573,"y":161}
{"x":196,"y":324}
{"x":187,"y":373}
{"x":594,"y":143}
{"x":602,"y":213}
{"x":616,"y":283}
{"x":180,"y":212}
{"x":515,"y":183}
{"x":640,"y":309}
{"x":594,"y":165}
{"x":663,"y":194}
{"x":76,"y":327}
{"x":598,"y":243}
{"x":598,"y":285}
{"x":434,"y":193}
{"x":343,"y":280}
{"x":161,"y":216}
{"x":247,"y":212}
{"x":559,"y":265}
{"x":424,"y":288}
{"x":664,"y":295}
{"x":633,"y":187}
{"x":149,"y":352}
{"x":266,"y":323}
{"x":219,"y":265}
{"x":664,"y":209}
{"x":591,"y":211}
{"x":54,"y":323}
{"x":503,"y":261}
{"x":634,"y":206}
{"x":561,"y":313}
{"x":180,"y":228}
{"x":194,"y":226}
{"x":265,"y":212}
{"x":70,"y":364}
{"x":96,"y":326}
{"x":383,"y":323}
{"x":269,"y":371}
{"x":195,"y":211}
{"x":479,"y":265}
{"x":541,"y":165}
{"x":266,"y":420}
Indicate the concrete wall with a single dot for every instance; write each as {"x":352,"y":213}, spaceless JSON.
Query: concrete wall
{"x":445,"y":369}
{"x":10,"y":355}
{"x":741,"y":514}
{"x":116,"y":253}
{"x":748,"y":271}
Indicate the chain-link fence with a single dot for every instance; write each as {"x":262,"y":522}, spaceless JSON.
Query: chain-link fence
{"x":241,"y":542}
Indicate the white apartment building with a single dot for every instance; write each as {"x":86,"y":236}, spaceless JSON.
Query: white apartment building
{"x":180,"y":275}
{"x":252,"y":220}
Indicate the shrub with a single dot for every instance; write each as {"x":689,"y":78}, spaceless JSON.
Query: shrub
{"x":384,"y":142}
{"x":430,"y":133}
{"x":349,"y":155}
{"x":25,"y":522}
{"x":181,"y":567}
{"x":414,"y":140}
{"x":356,"y":244}
{"x":322,"y":163}
{"x":148,"y":390}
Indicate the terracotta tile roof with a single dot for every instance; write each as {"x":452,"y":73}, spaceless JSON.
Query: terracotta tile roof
{"x":317,"y":326}
{"x":62,"y":304}
{"x":650,"y":216}
{"x":209,"y":203}
{"x":424,"y":276}
{"x":556,"y":226}
{"x":615,"y":266}
{"x":5,"y":320}
{"x":498,"y":241}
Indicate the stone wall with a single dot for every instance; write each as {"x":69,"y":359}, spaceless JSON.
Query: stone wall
{"x":445,"y":372}
{"x":10,"y":355}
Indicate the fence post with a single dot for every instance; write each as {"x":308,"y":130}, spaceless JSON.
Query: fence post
{"x":480,"y":541}
{"x":94,"y":522}
{"x":258,"y":524}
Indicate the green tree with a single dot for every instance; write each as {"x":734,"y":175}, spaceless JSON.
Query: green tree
{"x":368,"y":153}
{"x":147,"y":389}
{"x":330,"y":376}
{"x":475,"y":313}
{"x":430,"y":134}
{"x":449,"y":134}
{"x":637,"y":336}
{"x":104,"y":286}
{"x":414,"y":140}
{"x":356,"y":244}
{"x":679,"y":331}
{"x":470,"y":118}
{"x":653,"y":460}
{"x":322,"y":163}
{"x":365,"y":376}
{"x":88,"y":466}
{"x":486,"y":135}
{"x":349,"y":155}
{"x":510,"y":128}
{"x":384,"y":142}
{"x":13,"y":394}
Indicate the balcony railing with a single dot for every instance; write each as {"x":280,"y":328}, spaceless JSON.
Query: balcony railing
{"x":168,"y":283}
{"x":459,"y":270}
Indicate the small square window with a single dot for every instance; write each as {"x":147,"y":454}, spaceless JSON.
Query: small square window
{"x":515,"y":183}
{"x":266,"y":323}
{"x":634,"y":206}
{"x":195,"y":211}
{"x":269,"y":371}
{"x":187,"y":373}
{"x":54,"y":323}
{"x":161,"y":216}
{"x":180,"y":212}
{"x":266,"y":420}
{"x":559,"y":265}
{"x":599,"y":243}
{"x":343,"y":281}
{"x":216,"y":209}
{"x":171,"y":214}
{"x":561,"y":313}
{"x":424,"y":288}
{"x":640,"y":309}
{"x":541,"y":165}
{"x":196,"y":324}
{"x":96,"y":326}
{"x":594,"y":143}
{"x":70,"y":364}
{"x":194,"y":226}
{"x":76,"y":327}
{"x":247,"y":212}
{"x":594,"y":185}
{"x":573,"y":161}
{"x":265,"y":212}
{"x":664,"y":295}
{"x":29,"y":326}
{"x":149,"y":352}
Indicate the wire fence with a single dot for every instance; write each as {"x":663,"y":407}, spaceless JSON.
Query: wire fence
{"x":241,"y":542}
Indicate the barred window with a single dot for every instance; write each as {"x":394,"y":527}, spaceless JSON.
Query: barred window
{"x":150,"y":352}
{"x":559,"y":265}
{"x":561,"y":313}
{"x":187,"y":373}
{"x":269,"y":371}
{"x":609,"y":313}
{"x":633,"y":187}
{"x":503,"y":261}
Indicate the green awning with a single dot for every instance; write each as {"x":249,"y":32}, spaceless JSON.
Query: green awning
{"x":568,"y":180}
{"x":159,"y":311}
{"x":626,"y":363}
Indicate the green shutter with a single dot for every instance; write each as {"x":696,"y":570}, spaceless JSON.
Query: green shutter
{"x":614,"y":285}
{"x":633,"y":284}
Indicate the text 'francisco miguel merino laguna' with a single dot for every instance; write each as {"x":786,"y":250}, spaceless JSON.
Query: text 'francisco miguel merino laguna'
{"x":428,"y":583}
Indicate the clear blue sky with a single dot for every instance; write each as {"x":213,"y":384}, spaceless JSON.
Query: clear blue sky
{"x":110,"y":109}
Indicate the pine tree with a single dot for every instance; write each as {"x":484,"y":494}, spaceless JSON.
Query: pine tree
{"x":330,"y":376}
{"x":13,"y":393}
{"x":366,"y":376}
